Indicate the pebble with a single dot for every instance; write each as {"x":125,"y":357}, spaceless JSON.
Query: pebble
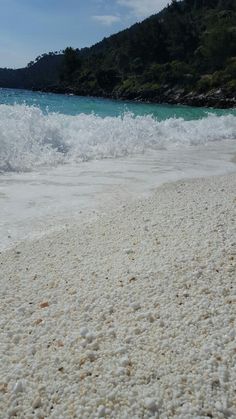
{"x":129,"y":251}
{"x":151,"y":405}
{"x":101,"y":411}
{"x":125,"y":362}
{"x":36,"y":403}
{"x":83,"y":332}
{"x":135,"y":306}
{"x":18,"y":387}
{"x":90,"y":336}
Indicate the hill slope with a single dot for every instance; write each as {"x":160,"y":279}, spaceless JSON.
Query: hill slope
{"x":184,"y":54}
{"x":41,"y":74}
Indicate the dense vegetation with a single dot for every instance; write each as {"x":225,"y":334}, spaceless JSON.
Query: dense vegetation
{"x":41,"y":73}
{"x":187,"y":50}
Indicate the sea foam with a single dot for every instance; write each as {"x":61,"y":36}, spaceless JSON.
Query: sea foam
{"x":29,"y":138}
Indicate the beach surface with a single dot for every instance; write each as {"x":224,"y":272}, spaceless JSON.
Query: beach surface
{"x":129,"y":315}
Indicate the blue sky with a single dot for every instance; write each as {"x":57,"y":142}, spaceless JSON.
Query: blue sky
{"x":30,"y":27}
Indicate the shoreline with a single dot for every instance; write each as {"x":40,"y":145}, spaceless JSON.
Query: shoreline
{"x":214,"y":99}
{"x":129,"y":315}
{"x":209,"y":100}
{"x":35,"y":221}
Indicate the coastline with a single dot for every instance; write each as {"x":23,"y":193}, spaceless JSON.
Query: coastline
{"x":130,"y":315}
{"x":215,"y":98}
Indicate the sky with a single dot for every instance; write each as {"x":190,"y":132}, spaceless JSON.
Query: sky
{"x":29,"y":28}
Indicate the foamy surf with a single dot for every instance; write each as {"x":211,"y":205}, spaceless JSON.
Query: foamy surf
{"x":30,"y":139}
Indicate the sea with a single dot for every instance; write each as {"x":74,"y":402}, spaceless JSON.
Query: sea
{"x":66,"y":157}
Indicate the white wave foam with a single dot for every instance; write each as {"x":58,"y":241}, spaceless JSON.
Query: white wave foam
{"x":28,"y":138}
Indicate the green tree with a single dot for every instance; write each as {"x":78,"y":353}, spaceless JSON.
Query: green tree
{"x":218,"y":44}
{"x":71,"y":62}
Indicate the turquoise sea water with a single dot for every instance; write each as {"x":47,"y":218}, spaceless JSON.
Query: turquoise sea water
{"x":74,"y":105}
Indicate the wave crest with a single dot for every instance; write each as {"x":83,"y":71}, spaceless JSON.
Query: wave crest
{"x":29,"y":139}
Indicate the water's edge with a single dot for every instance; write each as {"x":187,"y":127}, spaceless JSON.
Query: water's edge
{"x":216,"y":99}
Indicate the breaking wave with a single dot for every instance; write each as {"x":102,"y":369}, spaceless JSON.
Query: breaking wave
{"x":29,"y":138}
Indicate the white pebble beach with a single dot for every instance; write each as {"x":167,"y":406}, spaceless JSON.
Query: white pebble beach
{"x":129,"y":315}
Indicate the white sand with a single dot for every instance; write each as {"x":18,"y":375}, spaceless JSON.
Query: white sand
{"x":129,"y":316}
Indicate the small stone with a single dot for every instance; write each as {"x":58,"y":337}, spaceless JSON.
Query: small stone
{"x":38,"y":321}
{"x":16,"y":339}
{"x":133,"y":279}
{"x":112,"y":396}
{"x":91,"y":356}
{"x":94,"y":346}
{"x":36,"y":403}
{"x":90,"y":337}
{"x":125,"y":362}
{"x":218,"y":406}
{"x":13,"y":412}
{"x":32,"y":350}
{"x":121,"y":350}
{"x":223,"y":375}
{"x":150,"y":404}
{"x":3,"y":388}
{"x":112,"y":333}
{"x":151,"y":318}
{"x":137,"y":331}
{"x":110,"y":310}
{"x":83,"y":332}
{"x":120,"y":371}
{"x":44,"y":305}
{"x":128,"y":339}
{"x":135,"y":306}
{"x":101,"y":411}
{"x":129,"y":251}
{"x":18,"y":387}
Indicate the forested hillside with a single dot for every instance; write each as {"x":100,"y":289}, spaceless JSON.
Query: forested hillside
{"x":186,"y":54}
{"x":43,"y":72}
